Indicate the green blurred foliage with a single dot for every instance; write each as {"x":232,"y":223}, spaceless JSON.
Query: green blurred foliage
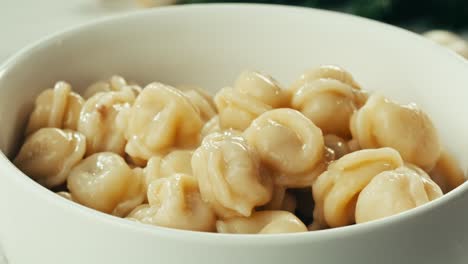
{"x":449,"y":14}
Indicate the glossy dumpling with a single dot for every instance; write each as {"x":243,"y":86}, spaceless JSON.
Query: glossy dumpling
{"x":339,"y":146}
{"x":103,"y":181}
{"x":263,"y":222}
{"x":48,"y":155}
{"x":98,"y":121}
{"x":332,"y":72}
{"x":262,"y":87}
{"x":177,"y":161}
{"x":237,"y":110}
{"x":282,"y":200}
{"x":406,"y":128}
{"x":161,"y":118}
{"x":329,"y":103}
{"x":203,"y":101}
{"x":228,"y":171}
{"x":336,"y":190}
{"x":211,"y":126}
{"x":175,"y":202}
{"x":395,"y":191}
{"x":287,"y":142}
{"x":447,"y":172}
{"x":114,"y":84}
{"x":58,"y":107}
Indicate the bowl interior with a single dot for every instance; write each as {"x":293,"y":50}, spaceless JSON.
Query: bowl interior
{"x":210,"y":46}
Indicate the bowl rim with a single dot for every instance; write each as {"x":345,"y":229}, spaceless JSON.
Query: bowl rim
{"x":69,"y":207}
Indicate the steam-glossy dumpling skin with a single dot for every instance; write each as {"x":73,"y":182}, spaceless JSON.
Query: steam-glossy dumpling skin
{"x":161,"y":118}
{"x":336,"y":190}
{"x":253,"y":94}
{"x":263,"y":222}
{"x":177,"y":161}
{"x":289,"y":143}
{"x":406,"y":128}
{"x":329,"y":103}
{"x":114,"y":84}
{"x":330,"y":72}
{"x":175,"y":202}
{"x":262,"y":87}
{"x":229,"y":175}
{"x":48,"y":155}
{"x":282,"y":200}
{"x":211,"y":126}
{"x":447,"y":173}
{"x":395,"y":191}
{"x":339,"y":146}
{"x":103,"y":181}
{"x":58,"y":107}
{"x":203,"y":101}
{"x":99,"y":121}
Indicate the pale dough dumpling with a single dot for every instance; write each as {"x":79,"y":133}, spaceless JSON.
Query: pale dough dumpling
{"x":228,"y":171}
{"x":263,"y":222}
{"x":175,"y":202}
{"x":202,"y":100}
{"x":58,"y":107}
{"x":237,"y":110}
{"x":282,"y":200}
{"x":161,"y":118}
{"x":177,"y":161}
{"x":98,"y":121}
{"x":114,"y":84}
{"x":393,"y":192}
{"x":336,"y":190}
{"x":447,"y":173}
{"x":288,"y":142}
{"x":325,"y":72}
{"x":406,"y":128}
{"x":328,"y":103}
{"x":262,"y":87}
{"x":48,"y":155}
{"x":211,"y":126}
{"x":339,"y":146}
{"x":103,"y":181}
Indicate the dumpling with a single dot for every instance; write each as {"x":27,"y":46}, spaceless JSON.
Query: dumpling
{"x":339,"y":146}
{"x":98,"y":121}
{"x":290,"y":144}
{"x":447,"y":173}
{"x":406,"y":128}
{"x":395,"y":191}
{"x":236,"y":110}
{"x":229,"y":175}
{"x":253,"y":94}
{"x":211,"y":126}
{"x":325,"y":72}
{"x":261,"y":87}
{"x":175,"y":202}
{"x":177,"y":161}
{"x":114,"y":84}
{"x":202,"y":100}
{"x":281,"y":200}
{"x":263,"y":222}
{"x":329,"y":103}
{"x":48,"y":155}
{"x":103,"y":181}
{"x":161,"y":118}
{"x":65,"y":195}
{"x":58,"y":107}
{"x":336,"y":190}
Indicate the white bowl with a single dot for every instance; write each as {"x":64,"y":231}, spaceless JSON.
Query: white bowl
{"x":209,"y":45}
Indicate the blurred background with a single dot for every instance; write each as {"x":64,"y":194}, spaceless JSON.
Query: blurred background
{"x":25,"y":21}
